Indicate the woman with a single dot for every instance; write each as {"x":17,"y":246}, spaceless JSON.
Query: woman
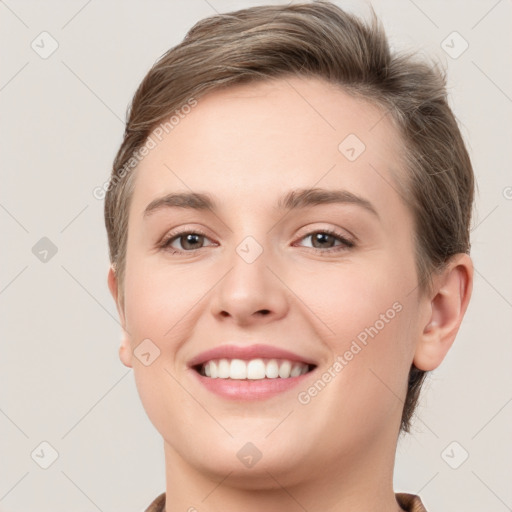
{"x":288,"y":223}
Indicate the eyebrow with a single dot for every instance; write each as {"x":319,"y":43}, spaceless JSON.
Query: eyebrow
{"x":294,"y":200}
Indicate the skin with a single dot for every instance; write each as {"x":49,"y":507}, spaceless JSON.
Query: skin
{"x":247,"y":146}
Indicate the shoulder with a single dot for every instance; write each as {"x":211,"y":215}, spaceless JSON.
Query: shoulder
{"x":410,"y":502}
{"x":158,"y":504}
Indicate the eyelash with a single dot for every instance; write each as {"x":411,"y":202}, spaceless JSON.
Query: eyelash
{"x":346,"y":243}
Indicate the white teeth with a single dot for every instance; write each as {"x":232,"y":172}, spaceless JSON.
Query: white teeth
{"x":213,"y":370}
{"x":272,"y":370}
{"x":223,"y":369}
{"x":238,"y":369}
{"x":296,"y":371}
{"x":285,"y":369}
{"x":255,"y":369}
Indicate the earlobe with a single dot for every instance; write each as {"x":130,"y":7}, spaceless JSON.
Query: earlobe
{"x":125,"y":350}
{"x":452,"y":291}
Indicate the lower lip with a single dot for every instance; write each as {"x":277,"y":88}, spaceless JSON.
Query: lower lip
{"x":247,"y":389}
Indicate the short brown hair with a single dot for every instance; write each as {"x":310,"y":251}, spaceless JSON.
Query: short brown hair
{"x":316,"y":40}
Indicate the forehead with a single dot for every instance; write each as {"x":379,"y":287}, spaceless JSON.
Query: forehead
{"x":247,"y":144}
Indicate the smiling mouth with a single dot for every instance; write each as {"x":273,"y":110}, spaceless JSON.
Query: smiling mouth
{"x":253,"y":369}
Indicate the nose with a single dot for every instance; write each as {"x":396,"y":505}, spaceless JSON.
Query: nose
{"x":250,"y":292}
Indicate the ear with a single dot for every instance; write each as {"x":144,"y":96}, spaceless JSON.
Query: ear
{"x":125,"y":350}
{"x":452,"y":291}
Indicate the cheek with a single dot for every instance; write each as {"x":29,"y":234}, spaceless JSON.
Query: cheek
{"x":373,"y":383}
{"x":158,"y":297}
{"x":364,"y":315}
{"x":362,"y":388}
{"x":158,"y":307}
{"x":350,"y":297}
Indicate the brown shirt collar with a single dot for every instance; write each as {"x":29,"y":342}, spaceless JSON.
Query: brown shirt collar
{"x":409,"y":502}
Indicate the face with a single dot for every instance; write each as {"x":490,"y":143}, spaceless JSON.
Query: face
{"x":332,"y":281}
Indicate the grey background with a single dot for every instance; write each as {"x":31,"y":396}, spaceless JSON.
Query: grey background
{"x":61,"y":381}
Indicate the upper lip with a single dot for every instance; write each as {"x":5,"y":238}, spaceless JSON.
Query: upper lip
{"x":247,"y":353}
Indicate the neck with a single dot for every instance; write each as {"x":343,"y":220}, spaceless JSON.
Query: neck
{"x":335,"y":486}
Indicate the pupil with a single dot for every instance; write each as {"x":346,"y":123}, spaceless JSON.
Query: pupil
{"x":320,"y":237}
{"x":190,"y":239}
